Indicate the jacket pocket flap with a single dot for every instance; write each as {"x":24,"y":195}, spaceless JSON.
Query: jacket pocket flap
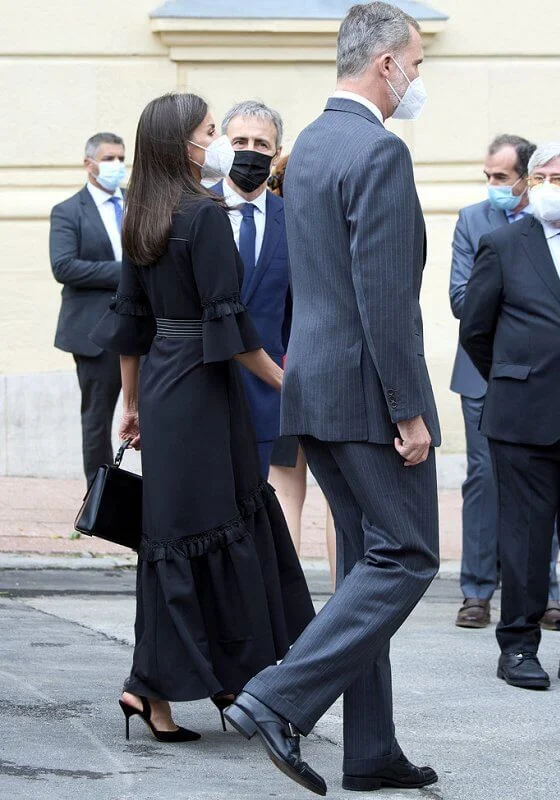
{"x":518,"y":371}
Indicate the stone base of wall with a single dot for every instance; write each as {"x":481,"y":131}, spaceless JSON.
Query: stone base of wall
{"x":40,"y":434}
{"x":40,"y":431}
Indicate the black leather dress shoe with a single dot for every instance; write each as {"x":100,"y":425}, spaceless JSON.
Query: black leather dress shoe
{"x":401,"y":774}
{"x":522,"y":670}
{"x":281,"y":740}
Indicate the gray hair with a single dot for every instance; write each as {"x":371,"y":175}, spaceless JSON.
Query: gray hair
{"x":366,"y":32}
{"x":543,"y":154}
{"x":253,"y":108}
{"x":93,"y":142}
{"x":523,"y":148}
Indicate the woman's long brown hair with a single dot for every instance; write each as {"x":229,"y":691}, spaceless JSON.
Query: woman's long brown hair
{"x":162,"y":177}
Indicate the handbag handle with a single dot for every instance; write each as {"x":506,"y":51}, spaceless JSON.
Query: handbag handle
{"x":120,"y":452}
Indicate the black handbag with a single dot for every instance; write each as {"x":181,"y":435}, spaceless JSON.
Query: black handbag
{"x":112,"y":507}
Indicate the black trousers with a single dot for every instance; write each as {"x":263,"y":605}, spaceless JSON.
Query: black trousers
{"x":100,"y":383}
{"x":528,"y":481}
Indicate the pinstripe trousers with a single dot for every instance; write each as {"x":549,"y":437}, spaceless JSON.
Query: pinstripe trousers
{"x":386,"y":519}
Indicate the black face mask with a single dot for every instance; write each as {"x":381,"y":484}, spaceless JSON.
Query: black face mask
{"x":250,"y":169}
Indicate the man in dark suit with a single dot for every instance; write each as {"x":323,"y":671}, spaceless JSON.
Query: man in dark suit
{"x":86,"y":252}
{"x":259,"y":229}
{"x":358,"y":394}
{"x":505,"y":168}
{"x":510,"y":328}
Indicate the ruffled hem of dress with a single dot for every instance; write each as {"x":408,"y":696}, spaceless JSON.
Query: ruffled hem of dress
{"x":130,"y":306}
{"x":255,"y":500}
{"x":210,"y":541}
{"x":222,"y":307}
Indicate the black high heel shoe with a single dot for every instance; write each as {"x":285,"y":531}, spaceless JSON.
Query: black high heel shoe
{"x":180,"y":735}
{"x":223,"y":701}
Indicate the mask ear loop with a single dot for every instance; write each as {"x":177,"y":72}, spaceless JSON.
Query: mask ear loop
{"x":525,"y":190}
{"x":190,"y":141}
{"x":401,"y":70}
{"x":512,"y":185}
{"x":392,"y":88}
{"x":195,"y":144}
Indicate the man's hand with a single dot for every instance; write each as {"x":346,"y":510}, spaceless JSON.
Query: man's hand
{"x":415,"y":441}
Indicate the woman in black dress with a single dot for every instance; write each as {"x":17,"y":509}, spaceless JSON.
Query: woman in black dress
{"x":220,"y":591}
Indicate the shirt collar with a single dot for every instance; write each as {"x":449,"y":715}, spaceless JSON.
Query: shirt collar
{"x":527,"y":211}
{"x":549,"y":230}
{"x":233,"y":199}
{"x":99,"y":196}
{"x":357,"y":98}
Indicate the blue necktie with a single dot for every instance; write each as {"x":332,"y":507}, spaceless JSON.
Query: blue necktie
{"x":247,"y":239}
{"x":118,"y":211}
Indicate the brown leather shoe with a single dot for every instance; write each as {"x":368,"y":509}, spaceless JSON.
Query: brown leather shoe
{"x":474,"y":613}
{"x":550,"y":621}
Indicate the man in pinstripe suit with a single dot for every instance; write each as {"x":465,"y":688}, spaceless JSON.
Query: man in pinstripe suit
{"x":358,"y":394}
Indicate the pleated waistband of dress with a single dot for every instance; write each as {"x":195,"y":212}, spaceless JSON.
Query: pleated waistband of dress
{"x":179,"y":328}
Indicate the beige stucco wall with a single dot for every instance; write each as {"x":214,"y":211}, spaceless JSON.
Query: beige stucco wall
{"x":71,"y":69}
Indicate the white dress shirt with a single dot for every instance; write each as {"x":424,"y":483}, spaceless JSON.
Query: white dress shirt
{"x":553,"y":241}
{"x":233,"y":199}
{"x":107,"y":212}
{"x":359,"y":99}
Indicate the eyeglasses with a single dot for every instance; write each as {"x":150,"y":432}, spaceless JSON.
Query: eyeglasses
{"x":538,"y":180}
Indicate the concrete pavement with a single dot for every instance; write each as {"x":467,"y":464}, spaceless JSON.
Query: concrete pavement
{"x":66,"y":637}
{"x":66,"y":617}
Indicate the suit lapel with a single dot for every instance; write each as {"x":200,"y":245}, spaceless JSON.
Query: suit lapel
{"x":496,"y":219}
{"x":272,"y":231}
{"x":91,"y":212}
{"x":536,"y":247}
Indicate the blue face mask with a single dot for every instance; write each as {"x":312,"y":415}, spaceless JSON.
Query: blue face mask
{"x":502,"y":198}
{"x":111,"y":174}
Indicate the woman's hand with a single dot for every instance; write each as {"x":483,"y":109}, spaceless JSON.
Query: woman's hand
{"x":130,"y":429}
{"x":261,"y":365}
{"x":278,"y":378}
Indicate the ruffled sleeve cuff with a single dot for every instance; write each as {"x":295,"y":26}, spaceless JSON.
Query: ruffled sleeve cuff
{"x":227,"y":329}
{"x":131,"y":306}
{"x":127,"y":327}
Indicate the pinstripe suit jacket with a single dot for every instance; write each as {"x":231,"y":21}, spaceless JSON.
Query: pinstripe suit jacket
{"x":356,"y":239}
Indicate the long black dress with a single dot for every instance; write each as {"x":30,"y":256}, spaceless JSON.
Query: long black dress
{"x":220,"y":591}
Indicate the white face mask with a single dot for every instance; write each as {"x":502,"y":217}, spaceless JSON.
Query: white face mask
{"x":218,"y":160}
{"x":413,"y":100}
{"x":545,"y":202}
